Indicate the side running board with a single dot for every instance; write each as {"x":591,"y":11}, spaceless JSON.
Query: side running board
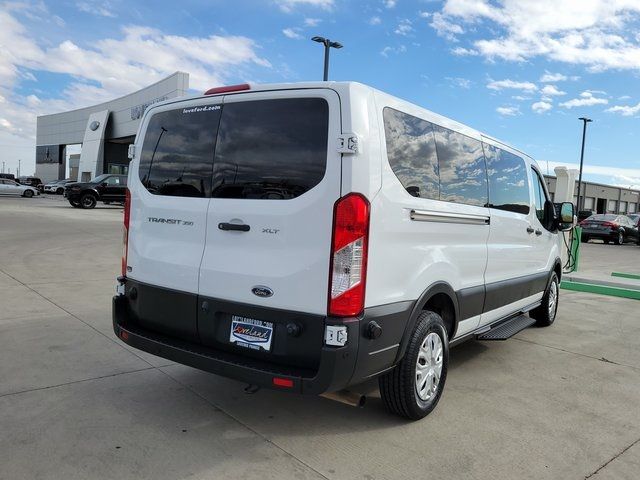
{"x":507,"y":329}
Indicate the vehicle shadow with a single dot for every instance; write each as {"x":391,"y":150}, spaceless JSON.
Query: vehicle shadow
{"x":273,"y":410}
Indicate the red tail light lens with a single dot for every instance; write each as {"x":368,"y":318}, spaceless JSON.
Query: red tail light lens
{"x":610,"y":224}
{"x":125,"y":231}
{"x":349,"y":256}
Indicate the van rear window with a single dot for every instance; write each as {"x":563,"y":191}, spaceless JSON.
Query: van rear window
{"x":265,"y":149}
{"x":271,"y":149}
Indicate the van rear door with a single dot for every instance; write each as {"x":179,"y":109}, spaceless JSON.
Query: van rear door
{"x":276,"y":178}
{"x":170,"y":185}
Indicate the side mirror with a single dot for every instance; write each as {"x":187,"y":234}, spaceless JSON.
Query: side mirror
{"x":103,"y":184}
{"x":565,"y":218}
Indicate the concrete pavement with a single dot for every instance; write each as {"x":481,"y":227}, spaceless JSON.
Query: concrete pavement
{"x":561,"y":402}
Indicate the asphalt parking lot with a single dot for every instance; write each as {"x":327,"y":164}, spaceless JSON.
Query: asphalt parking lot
{"x":76,"y":403}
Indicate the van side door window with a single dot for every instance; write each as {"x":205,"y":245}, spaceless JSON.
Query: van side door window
{"x":411,"y":150}
{"x":508,"y":182}
{"x":462,"y":169}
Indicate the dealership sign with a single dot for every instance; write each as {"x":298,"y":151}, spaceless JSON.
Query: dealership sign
{"x":138,"y":110}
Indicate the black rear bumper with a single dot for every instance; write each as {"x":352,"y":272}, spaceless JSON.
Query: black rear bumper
{"x":332,"y":368}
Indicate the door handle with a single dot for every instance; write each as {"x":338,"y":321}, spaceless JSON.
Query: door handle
{"x":538,"y":232}
{"x":238,"y":227}
{"x":530,"y":229}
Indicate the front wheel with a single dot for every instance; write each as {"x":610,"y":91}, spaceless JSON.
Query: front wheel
{"x":28,"y":193}
{"x":545,"y":314}
{"x":60,"y":191}
{"x":75,"y":203}
{"x":414,"y":386}
{"x":88,"y":201}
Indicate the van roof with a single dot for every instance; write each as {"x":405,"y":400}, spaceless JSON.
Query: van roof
{"x":348,"y":86}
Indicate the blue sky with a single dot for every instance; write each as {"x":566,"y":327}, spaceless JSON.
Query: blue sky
{"x":520,"y":70}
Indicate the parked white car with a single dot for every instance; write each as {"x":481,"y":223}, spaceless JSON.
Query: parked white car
{"x":57,"y":186}
{"x":9,"y":187}
{"x":308,"y":237}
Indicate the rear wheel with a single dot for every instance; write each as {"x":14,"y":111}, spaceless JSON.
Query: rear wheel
{"x":619,"y":239}
{"x":412,"y":389}
{"x":88,"y":201}
{"x":60,"y":191}
{"x":28,"y":193}
{"x":584,"y":238}
{"x":545,"y":314}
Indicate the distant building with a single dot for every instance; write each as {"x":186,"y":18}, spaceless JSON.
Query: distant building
{"x":104,"y":130}
{"x":600,"y":198}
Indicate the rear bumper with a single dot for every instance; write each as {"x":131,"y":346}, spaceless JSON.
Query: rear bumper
{"x":599,"y":233}
{"x":337,"y":367}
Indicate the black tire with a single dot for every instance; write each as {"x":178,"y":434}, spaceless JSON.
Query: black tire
{"x":60,"y":191}
{"x":619,"y":240}
{"x":28,"y":193}
{"x":606,"y":241}
{"x":88,"y":201}
{"x":398,"y":386}
{"x":545,"y":314}
{"x":584,"y":239}
{"x":74,"y":203}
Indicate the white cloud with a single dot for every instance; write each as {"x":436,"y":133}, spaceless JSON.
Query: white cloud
{"x":102,"y":9}
{"x":553,"y":77}
{"x":624,"y":97}
{"x":386,"y":51}
{"x":464,"y":52}
{"x":445,"y":27}
{"x":512,"y":84}
{"x":594,"y":33}
{"x":586,"y":100}
{"x":289,"y":5}
{"x":625,"y":110}
{"x":389,"y":3}
{"x":541,"y":107}
{"x":552,"y":90}
{"x":312,"y":22}
{"x":404,"y":28}
{"x":292,"y":33}
{"x":375,"y":21}
{"x":508,"y":111}
{"x":460,"y":82}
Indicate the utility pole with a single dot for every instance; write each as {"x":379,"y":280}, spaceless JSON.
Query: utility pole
{"x":585,"y":120}
{"x":19,"y":167}
{"x":328,"y":44}
{"x":2,"y":167}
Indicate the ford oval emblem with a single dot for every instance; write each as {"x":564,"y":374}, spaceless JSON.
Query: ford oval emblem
{"x":262,"y":291}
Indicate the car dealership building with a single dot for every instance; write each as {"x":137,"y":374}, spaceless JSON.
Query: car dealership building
{"x":105,"y":132}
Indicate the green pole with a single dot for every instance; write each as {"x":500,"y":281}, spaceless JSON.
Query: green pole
{"x":575,"y":247}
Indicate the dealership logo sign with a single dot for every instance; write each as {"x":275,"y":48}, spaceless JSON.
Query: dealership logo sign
{"x":138,"y":110}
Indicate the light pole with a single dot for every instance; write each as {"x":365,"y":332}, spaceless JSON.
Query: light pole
{"x":328,"y":44}
{"x":585,"y":120}
{"x":19,"y":167}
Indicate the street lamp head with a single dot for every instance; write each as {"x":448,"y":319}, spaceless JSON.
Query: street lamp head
{"x":585,"y":119}
{"x":335,"y":45}
{"x":319,"y":39}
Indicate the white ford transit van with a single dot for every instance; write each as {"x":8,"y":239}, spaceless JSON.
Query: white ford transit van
{"x":307,"y":237}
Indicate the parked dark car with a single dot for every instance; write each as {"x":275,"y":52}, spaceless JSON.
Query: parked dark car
{"x":34,"y":182}
{"x":610,"y":228}
{"x":8,"y":176}
{"x":584,"y":214}
{"x":105,"y":188}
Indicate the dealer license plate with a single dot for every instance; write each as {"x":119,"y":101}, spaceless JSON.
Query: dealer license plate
{"x":251,"y":333}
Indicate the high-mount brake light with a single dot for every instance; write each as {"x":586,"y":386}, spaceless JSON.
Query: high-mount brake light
{"x":125,"y":231}
{"x":349,"y":247}
{"x":228,"y":89}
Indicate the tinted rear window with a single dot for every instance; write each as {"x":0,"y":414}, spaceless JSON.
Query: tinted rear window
{"x":603,"y":218}
{"x":265,"y":149}
{"x":271,"y":149}
{"x":177,"y":153}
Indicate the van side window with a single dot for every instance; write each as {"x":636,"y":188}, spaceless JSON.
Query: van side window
{"x":539,"y":196}
{"x":463,"y":173}
{"x":508,"y":182}
{"x":177,"y":153}
{"x":271,"y":149}
{"x":411,"y":149}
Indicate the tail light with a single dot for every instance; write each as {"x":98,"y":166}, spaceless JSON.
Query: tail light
{"x":349,"y":256}
{"x":125,"y":231}
{"x":228,"y":89}
{"x":610,"y":224}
